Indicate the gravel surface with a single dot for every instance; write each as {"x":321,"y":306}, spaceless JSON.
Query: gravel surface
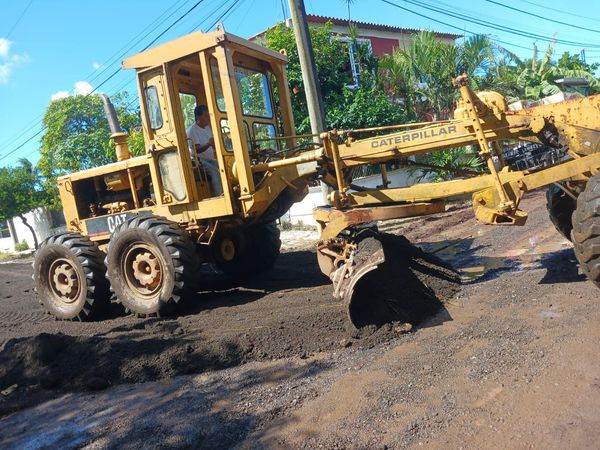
{"x":509,"y":362}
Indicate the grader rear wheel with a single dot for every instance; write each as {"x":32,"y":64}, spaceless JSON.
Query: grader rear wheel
{"x":151,"y":265}
{"x":560,"y":209}
{"x":586,"y":230}
{"x":254,"y":250}
{"x":69,"y":276}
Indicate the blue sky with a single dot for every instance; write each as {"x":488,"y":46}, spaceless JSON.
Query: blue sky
{"x":61,"y":47}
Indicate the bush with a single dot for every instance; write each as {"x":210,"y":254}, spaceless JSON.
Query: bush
{"x":21,"y":246}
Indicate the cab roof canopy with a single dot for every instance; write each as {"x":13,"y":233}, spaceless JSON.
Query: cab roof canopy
{"x":194,"y":43}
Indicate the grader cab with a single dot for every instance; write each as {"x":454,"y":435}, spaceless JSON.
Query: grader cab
{"x":142,"y":226}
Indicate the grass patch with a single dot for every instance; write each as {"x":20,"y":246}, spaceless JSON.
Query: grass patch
{"x":4,"y":256}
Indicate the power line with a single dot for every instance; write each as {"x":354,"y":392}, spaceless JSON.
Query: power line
{"x":542,"y":17}
{"x":250,"y":6}
{"x":562,"y":11}
{"x":448,"y":24}
{"x":226,"y":14}
{"x":495,"y":26}
{"x":130,"y":45}
{"x":282,"y":10}
{"x":106,"y":65}
{"x":211,"y":14}
{"x":19,"y":19}
{"x":111,"y":75}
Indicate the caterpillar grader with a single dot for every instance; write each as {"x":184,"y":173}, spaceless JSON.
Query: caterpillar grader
{"x":140,"y":228}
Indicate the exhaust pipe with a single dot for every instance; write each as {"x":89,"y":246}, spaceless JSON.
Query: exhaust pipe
{"x":117,"y":135}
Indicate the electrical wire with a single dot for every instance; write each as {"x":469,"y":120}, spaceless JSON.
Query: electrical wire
{"x":512,"y":8}
{"x":448,"y":24}
{"x":562,"y":11}
{"x":19,"y":19}
{"x":105,"y":65}
{"x":227,"y":13}
{"x":111,"y":75}
{"x":493,"y":25}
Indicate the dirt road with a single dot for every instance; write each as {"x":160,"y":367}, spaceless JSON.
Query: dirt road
{"x":509,"y":361}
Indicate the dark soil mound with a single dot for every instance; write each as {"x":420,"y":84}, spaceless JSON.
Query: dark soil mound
{"x":240,"y":326}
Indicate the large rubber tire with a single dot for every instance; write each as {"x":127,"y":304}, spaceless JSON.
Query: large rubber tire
{"x":256,"y":250}
{"x":151,"y":264}
{"x":586,"y":230}
{"x":70,"y":277}
{"x":560,"y":209}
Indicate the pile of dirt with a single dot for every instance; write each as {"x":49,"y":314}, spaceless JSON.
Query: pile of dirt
{"x":272,"y":326}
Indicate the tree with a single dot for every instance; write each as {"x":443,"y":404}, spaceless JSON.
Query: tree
{"x":77,"y":136}
{"x":20,"y":192}
{"x":533,"y":79}
{"x":347,"y":108}
{"x":330,"y":57}
{"x":574,"y":62}
{"x":420,"y":76}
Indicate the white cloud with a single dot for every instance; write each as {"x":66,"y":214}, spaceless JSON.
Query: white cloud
{"x":79,"y":88}
{"x":82,"y":88}
{"x":58,"y":95}
{"x":4,"y":47}
{"x":9,"y":61}
{"x":96,"y":65}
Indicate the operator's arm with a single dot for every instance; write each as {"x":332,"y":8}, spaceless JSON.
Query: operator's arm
{"x":200,"y":148}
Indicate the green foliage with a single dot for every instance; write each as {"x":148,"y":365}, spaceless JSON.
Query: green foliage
{"x":535,"y":78}
{"x":188,"y":103}
{"x":330,"y":57}
{"x":21,"y":246}
{"x":574,"y":62}
{"x":345,"y":108}
{"x":364,"y":108}
{"x":77,"y":136}
{"x":447,"y":164}
{"x":20,"y":190}
{"x":420,"y":76}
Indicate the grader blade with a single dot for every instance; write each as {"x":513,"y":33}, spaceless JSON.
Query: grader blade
{"x":386,"y":280}
{"x":356,"y":278}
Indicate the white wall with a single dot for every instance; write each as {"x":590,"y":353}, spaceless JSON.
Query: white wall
{"x":6,"y":244}
{"x":41,"y":222}
{"x":302,"y":211}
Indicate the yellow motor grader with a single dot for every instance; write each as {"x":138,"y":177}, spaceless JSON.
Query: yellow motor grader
{"x":142,"y":226}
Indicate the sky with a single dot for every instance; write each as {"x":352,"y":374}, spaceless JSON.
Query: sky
{"x":53,"y":48}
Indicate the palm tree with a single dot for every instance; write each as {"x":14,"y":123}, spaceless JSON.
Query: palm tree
{"x":348,"y":4}
{"x":533,"y":79}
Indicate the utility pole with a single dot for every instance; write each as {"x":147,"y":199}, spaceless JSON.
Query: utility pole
{"x":309,"y":69}
{"x":309,"y":75}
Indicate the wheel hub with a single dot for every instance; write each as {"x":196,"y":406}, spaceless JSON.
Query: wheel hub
{"x":64,"y":281}
{"x":227,"y":248}
{"x":146,"y":270}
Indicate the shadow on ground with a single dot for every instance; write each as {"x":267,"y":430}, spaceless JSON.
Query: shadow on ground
{"x":152,"y":416}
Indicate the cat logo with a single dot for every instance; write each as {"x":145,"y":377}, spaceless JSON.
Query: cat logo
{"x":417,"y":134}
{"x":116,"y":220}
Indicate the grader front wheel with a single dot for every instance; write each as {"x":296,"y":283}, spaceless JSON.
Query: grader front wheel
{"x":151,"y":265}
{"x":69,"y":276}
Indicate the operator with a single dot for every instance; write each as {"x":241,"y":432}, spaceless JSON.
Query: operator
{"x":202,"y":140}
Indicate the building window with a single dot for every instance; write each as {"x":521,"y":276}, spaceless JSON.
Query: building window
{"x":352,"y":66}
